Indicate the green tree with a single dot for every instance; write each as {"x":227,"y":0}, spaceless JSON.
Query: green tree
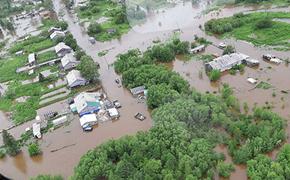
{"x":11,"y":145}
{"x":224,"y":169}
{"x":88,"y":69}
{"x":215,"y":75}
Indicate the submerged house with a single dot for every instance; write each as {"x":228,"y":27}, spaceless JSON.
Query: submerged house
{"x":87,"y":103}
{"x":69,"y":62}
{"x":137,"y":90}
{"x":74,"y":79}
{"x":61,"y":49}
{"x":226,"y":62}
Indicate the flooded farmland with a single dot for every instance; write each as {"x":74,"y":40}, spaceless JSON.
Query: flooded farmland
{"x":75,"y":142}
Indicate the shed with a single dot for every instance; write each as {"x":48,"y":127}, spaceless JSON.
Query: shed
{"x":60,"y":121}
{"x":61,"y":49}
{"x":31,"y":59}
{"x":74,"y":79}
{"x":137,"y":90}
{"x":198,"y":49}
{"x":36,"y":130}
{"x":88,"y":120}
{"x":57,"y":34}
{"x":252,"y":62}
{"x":252,"y":80}
{"x":69,"y":62}
{"x":113,"y":113}
{"x":87,"y":103}
{"x":53,"y":29}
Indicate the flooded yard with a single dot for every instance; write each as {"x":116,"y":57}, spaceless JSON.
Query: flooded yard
{"x":78,"y":143}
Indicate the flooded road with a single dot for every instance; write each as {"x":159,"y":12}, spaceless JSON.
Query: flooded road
{"x":62,"y":162}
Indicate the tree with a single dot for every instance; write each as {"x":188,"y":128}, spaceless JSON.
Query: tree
{"x":11,"y":145}
{"x":88,"y":69}
{"x":264,"y":23}
{"x":34,"y":149}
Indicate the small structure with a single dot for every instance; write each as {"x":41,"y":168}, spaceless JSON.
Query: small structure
{"x":57,"y":34}
{"x":61,"y":49}
{"x":46,"y":14}
{"x":53,"y":29}
{"x":271,"y":58}
{"x":252,"y":62}
{"x":226,"y":62}
{"x":113,"y":113}
{"x":197,"y":49}
{"x":140,"y":116}
{"x":59,"y":121}
{"x":88,"y":120}
{"x":111,"y":31}
{"x":31,"y":59}
{"x":74,"y":79}
{"x":36,"y":130}
{"x":87,"y":103}
{"x":45,"y":74}
{"x":222,"y":45}
{"x":137,"y":90}
{"x":252,"y":80}
{"x":69,"y":62}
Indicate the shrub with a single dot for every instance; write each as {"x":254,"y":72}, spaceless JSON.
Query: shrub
{"x":94,"y":28}
{"x":214,"y":75}
{"x":2,"y":153}
{"x":264,"y":23}
{"x":34,"y":149}
{"x":224,"y":169}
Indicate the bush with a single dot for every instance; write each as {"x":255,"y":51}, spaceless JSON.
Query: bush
{"x":224,"y":169}
{"x":229,"y":50}
{"x":34,"y":149}
{"x":94,"y":28}
{"x":264,"y":23}
{"x":2,"y":153}
{"x":214,"y":75}
{"x":47,"y":177}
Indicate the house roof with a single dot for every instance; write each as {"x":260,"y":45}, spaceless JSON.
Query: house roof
{"x":57,"y":34}
{"x":113,"y":112}
{"x":68,"y":58}
{"x":85,"y":99}
{"x":223,"y":62}
{"x":87,"y":119}
{"x":60,"y":46}
{"x":197,"y":48}
{"x":52,"y":29}
{"x":31,"y":58}
{"x":73,"y":76}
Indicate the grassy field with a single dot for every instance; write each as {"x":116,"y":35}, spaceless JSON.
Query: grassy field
{"x":46,"y":56}
{"x":276,"y":36}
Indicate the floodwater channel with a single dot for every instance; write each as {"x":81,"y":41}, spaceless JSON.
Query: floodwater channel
{"x":141,"y":36}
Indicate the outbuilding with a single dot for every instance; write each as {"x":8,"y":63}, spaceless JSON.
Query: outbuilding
{"x":60,"y":121}
{"x":31,"y":59}
{"x":74,"y":79}
{"x":113,"y":113}
{"x":137,"y":90}
{"x":197,"y":49}
{"x":57,"y":34}
{"x":88,"y":120}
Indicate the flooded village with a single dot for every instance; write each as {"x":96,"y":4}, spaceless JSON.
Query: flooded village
{"x":74,"y":114}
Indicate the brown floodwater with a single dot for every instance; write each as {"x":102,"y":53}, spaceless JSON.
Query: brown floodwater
{"x":77,"y":143}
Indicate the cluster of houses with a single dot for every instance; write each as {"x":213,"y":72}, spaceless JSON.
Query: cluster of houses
{"x":92,"y":108}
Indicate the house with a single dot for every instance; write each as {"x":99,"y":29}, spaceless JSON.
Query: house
{"x":87,"y":103}
{"x":61,"y":49}
{"x":53,"y":29}
{"x":69,"y":62}
{"x":197,"y":49}
{"x":88,"y":120}
{"x":113,"y":113}
{"x":226,"y":62}
{"x":74,"y":79}
{"x":57,"y":34}
{"x":31,"y":59}
{"x":137,"y":90}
